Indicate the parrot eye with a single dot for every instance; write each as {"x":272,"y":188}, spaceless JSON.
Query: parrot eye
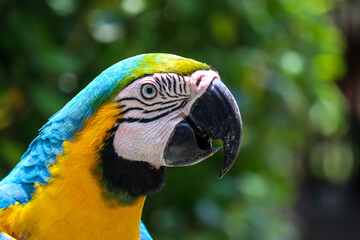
{"x":148,"y":91}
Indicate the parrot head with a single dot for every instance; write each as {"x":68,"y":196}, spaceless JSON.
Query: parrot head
{"x":171,"y":108}
{"x":168,"y":111}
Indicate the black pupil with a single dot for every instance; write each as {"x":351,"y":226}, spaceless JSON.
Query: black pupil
{"x":149,"y":90}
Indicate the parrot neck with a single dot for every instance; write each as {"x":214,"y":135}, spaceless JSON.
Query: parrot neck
{"x":74,"y":203}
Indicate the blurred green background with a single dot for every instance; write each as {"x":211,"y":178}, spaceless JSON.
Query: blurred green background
{"x":280,"y":58}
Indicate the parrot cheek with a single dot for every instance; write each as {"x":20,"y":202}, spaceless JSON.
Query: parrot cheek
{"x":145,"y":141}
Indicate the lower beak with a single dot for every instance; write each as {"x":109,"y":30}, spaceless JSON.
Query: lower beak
{"x":215,"y":115}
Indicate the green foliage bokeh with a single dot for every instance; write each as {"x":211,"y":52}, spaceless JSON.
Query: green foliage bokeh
{"x":279,"y":58}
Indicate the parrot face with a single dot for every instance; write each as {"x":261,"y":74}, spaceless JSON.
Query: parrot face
{"x":166,"y":120}
{"x":151,"y":109}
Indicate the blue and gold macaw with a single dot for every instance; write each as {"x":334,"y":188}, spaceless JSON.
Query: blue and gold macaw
{"x":87,"y":173}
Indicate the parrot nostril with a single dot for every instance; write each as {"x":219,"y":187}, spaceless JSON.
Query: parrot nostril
{"x":198,"y":82}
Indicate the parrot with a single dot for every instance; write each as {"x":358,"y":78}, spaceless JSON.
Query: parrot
{"x":88,"y":172}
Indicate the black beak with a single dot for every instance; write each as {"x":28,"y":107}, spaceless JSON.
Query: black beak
{"x":215,"y":115}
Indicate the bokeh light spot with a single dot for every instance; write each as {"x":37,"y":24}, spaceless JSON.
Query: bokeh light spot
{"x":332,"y":161}
{"x":67,"y":82}
{"x":324,"y":117}
{"x":224,"y":29}
{"x":253,"y":185}
{"x":62,"y":7}
{"x":133,"y":7}
{"x":292,"y":62}
{"x":208,"y":212}
{"x":327,"y":66}
{"x":104,"y":27}
{"x":255,"y":6}
{"x":162,"y":219}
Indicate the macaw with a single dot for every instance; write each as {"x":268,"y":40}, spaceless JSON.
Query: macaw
{"x":87,"y":173}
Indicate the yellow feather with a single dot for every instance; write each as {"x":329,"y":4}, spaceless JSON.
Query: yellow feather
{"x":72,"y":205}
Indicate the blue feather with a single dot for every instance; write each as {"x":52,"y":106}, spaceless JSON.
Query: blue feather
{"x":144,"y":234}
{"x":5,"y":237}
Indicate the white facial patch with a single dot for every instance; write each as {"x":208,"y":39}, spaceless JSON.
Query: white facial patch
{"x":148,"y":120}
{"x":145,"y":141}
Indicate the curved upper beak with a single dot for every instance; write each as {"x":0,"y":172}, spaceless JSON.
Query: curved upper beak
{"x":215,"y":115}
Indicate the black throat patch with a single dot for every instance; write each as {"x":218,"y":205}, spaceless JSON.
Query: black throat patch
{"x":125,"y":178}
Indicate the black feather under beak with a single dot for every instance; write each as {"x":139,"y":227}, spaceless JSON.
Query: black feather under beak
{"x":215,"y":115}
